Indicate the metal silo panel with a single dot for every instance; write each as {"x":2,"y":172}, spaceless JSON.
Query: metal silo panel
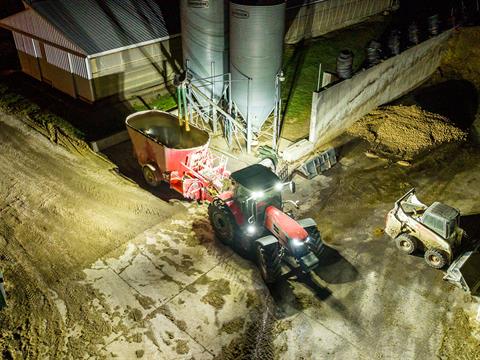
{"x":256,"y":48}
{"x":204,"y":41}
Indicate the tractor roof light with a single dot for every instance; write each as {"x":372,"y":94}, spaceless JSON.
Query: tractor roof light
{"x":251,"y":229}
{"x":257,"y":195}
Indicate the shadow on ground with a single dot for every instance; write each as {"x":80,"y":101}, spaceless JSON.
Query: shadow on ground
{"x":122,"y":156}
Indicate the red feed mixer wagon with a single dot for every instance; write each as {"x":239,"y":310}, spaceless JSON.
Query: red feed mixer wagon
{"x":167,"y":152}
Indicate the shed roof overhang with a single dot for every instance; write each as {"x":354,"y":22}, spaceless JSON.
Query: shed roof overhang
{"x":29,"y":23}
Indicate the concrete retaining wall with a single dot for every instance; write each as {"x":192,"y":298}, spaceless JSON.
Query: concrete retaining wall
{"x":338,"y":107}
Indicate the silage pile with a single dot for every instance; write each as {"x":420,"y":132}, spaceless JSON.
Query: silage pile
{"x":403,"y":132}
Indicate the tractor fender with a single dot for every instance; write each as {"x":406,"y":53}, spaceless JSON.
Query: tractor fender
{"x":267,"y":240}
{"x":150,"y":166}
{"x":306,"y":223}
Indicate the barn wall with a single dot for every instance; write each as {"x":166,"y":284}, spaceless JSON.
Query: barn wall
{"x":322,"y":17}
{"x":62,"y":70}
{"x":136,"y":69}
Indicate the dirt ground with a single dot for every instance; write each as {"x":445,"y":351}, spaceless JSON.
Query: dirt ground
{"x":96,"y":267}
{"x":59,"y":213}
{"x":404,"y":132}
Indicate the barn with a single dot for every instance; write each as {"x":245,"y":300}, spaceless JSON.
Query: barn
{"x":95,"y":49}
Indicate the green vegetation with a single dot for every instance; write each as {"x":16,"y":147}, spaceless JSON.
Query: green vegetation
{"x":301,"y":63}
{"x":164,"y":102}
{"x":12,"y":102}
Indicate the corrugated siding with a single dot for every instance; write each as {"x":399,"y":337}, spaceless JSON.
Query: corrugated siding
{"x":36,"y":44}
{"x":18,"y":41}
{"x":57,"y":57}
{"x":30,"y":22}
{"x":79,"y":67}
{"x":322,"y":17}
{"x":27,"y":44}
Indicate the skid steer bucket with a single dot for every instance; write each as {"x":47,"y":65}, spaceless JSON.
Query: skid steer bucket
{"x":465,"y":272}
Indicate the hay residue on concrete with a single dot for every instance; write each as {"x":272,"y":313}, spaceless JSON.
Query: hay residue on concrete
{"x":403,"y":132}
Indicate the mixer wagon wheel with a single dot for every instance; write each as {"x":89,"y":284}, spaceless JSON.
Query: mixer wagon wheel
{"x":149,"y":173}
{"x":222,"y":221}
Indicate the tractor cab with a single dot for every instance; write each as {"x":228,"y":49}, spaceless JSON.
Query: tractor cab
{"x":256,"y":188}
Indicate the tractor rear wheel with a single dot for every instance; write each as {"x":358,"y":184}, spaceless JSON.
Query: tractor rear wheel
{"x":269,"y":262}
{"x":406,"y":243}
{"x":149,"y":175}
{"x":315,"y":244}
{"x":222,"y":221}
{"x":436,"y":258}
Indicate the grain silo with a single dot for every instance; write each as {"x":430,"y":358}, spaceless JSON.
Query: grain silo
{"x":256,"y":49}
{"x":205,"y":43}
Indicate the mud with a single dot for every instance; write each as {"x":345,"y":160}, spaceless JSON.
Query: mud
{"x":461,"y":339}
{"x":405,"y":132}
{"x":60,"y":211}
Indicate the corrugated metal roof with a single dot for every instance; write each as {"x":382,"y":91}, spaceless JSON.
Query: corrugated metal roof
{"x":102,"y":25}
{"x":29,"y":22}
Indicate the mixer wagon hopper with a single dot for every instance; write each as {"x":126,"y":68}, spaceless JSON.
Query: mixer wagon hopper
{"x":167,"y":152}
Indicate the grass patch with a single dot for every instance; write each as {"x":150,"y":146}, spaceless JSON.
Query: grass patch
{"x":164,"y":102}
{"x":301,"y":62}
{"x":15,"y":103}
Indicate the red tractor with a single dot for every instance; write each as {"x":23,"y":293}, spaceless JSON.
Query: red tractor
{"x":250,"y":218}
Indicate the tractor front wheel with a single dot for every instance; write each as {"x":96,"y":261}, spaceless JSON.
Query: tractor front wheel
{"x":436,"y":258}
{"x":406,"y":243}
{"x":222,"y":221}
{"x":269,"y":262}
{"x":315,"y":244}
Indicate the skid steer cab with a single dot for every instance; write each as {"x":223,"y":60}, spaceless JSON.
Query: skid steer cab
{"x":249,"y":217}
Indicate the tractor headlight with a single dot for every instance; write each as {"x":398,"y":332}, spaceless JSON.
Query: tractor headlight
{"x":257,"y":195}
{"x":251,"y":229}
{"x":296,"y":242}
{"x":279,"y":186}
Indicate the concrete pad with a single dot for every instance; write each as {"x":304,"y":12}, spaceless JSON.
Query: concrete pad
{"x":115,"y":291}
{"x":305,"y":338}
{"x":215,"y":308}
{"x":149,"y":281}
{"x":158,"y":338}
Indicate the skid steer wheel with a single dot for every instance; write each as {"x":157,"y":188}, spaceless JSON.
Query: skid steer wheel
{"x":222,"y":221}
{"x":269,"y":262}
{"x":436,"y":258}
{"x":406,"y":243}
{"x":315,"y":244}
{"x":149,"y":175}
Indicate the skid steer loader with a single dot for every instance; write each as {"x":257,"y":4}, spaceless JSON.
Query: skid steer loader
{"x":436,"y":231}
